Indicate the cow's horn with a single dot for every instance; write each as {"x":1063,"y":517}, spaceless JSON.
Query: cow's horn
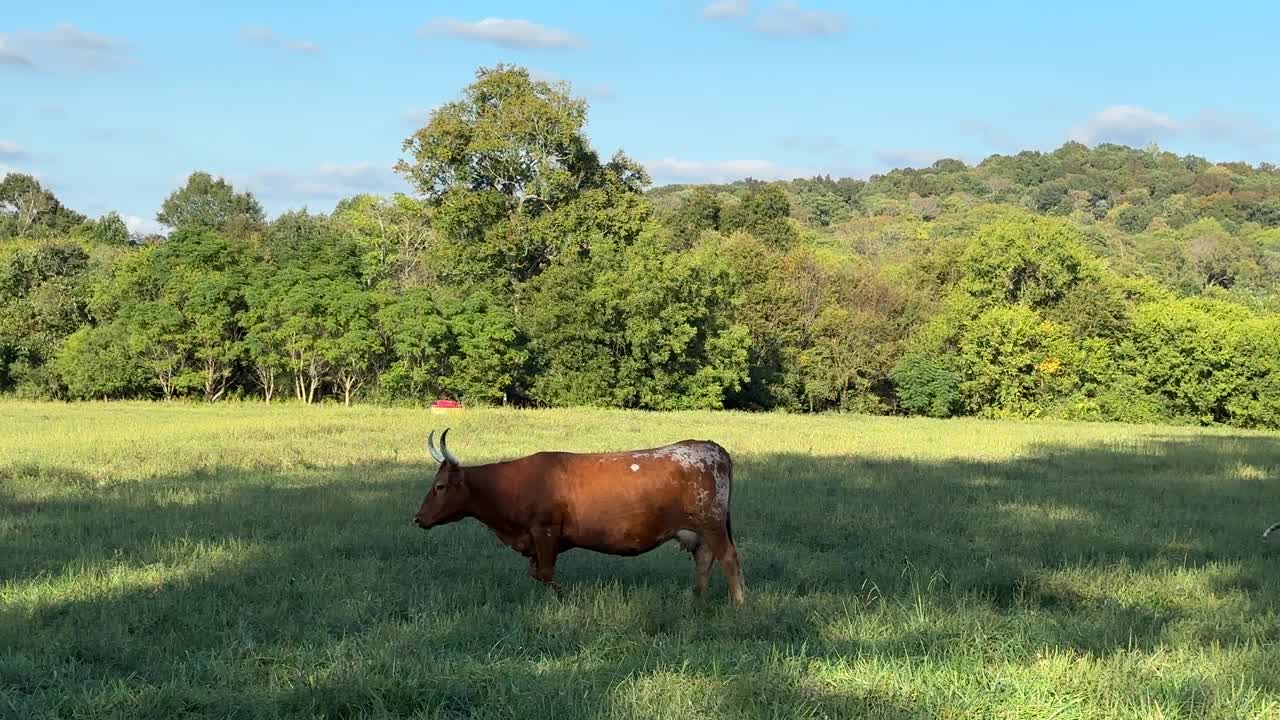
{"x":444,"y":448}
{"x":431,"y":447}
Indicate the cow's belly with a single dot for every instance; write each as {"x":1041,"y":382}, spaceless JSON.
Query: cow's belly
{"x":625,"y":534}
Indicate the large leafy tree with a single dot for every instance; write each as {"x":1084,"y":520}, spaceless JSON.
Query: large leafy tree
{"x":494,"y":162}
{"x":509,"y":133}
{"x":209,"y":203}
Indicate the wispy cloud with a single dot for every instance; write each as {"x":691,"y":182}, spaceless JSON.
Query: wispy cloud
{"x":911,"y":158}
{"x":787,"y":19}
{"x":329,"y":181}
{"x":263,"y":36}
{"x":13,"y":57}
{"x":13,"y":152}
{"x":671,"y":169}
{"x":1135,"y":125}
{"x":1241,"y":130}
{"x":1127,"y":124}
{"x":65,"y":47}
{"x":725,"y":9}
{"x":507,"y":33}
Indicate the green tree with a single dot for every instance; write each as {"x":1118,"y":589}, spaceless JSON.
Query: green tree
{"x":352,"y":345}
{"x":1030,"y":261}
{"x":763,"y":211}
{"x":520,"y":137}
{"x":211,"y":204}
{"x":420,"y":343}
{"x":43,"y":299}
{"x":1016,"y":364}
{"x":28,"y":209}
{"x":110,"y":229}
{"x":391,"y":235}
{"x":926,"y":386}
{"x":486,"y":352}
{"x":288,"y":326}
{"x":95,"y":362}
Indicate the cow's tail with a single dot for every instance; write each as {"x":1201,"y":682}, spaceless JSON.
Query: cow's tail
{"x":728,"y":513}
{"x":1270,"y":530}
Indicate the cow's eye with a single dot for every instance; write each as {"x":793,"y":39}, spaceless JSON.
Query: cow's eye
{"x":439,"y":486}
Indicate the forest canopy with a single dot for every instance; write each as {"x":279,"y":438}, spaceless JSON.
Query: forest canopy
{"x":1103,"y":283}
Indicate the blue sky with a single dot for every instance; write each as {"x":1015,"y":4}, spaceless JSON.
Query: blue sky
{"x":113,"y":104}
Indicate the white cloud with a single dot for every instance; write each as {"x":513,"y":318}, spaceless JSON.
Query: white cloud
{"x":725,"y":9}
{"x":65,"y":47}
{"x":719,"y":171}
{"x":263,"y":36}
{"x":513,"y":34}
{"x":1136,"y":126}
{"x":12,"y":151}
{"x":787,"y":19}
{"x":1125,"y":124}
{"x":329,"y":180}
{"x":144,"y":226}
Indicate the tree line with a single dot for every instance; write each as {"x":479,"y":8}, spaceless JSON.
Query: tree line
{"x":1105,"y":283}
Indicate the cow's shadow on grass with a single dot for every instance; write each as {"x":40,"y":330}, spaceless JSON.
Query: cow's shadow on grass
{"x":309,"y":592}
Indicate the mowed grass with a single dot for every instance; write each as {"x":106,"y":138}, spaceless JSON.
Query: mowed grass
{"x":166,"y":561}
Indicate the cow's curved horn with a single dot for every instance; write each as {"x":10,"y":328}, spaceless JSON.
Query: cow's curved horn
{"x":444,"y":448}
{"x":431,"y":447}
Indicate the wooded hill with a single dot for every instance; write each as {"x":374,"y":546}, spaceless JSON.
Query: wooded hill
{"x":1109,"y":283}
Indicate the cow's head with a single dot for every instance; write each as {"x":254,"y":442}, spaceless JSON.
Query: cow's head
{"x":446,"y":501}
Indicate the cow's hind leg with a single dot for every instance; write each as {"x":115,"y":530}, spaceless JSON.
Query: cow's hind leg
{"x":702,"y":558}
{"x":725,"y":552}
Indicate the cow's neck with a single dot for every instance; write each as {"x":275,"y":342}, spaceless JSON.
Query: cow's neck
{"x":490,"y":501}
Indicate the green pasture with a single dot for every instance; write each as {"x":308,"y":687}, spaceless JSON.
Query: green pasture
{"x":252,"y":561}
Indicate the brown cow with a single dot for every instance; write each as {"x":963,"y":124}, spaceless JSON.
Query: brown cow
{"x":623,"y":503}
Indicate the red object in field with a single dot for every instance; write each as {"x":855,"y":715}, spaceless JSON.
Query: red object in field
{"x":441,"y":407}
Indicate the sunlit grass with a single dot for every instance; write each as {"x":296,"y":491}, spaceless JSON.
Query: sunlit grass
{"x":250,"y":561}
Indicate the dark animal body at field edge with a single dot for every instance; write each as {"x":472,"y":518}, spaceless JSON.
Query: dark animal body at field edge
{"x":620,"y":503}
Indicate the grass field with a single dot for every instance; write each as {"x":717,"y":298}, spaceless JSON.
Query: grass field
{"x":165,"y":561}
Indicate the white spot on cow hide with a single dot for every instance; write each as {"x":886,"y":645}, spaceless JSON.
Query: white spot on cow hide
{"x":634,"y":467}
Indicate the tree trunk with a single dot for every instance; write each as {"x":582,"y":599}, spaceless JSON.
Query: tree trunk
{"x":266,"y":378}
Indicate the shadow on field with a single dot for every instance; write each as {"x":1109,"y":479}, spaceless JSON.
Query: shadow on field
{"x":309,"y":592}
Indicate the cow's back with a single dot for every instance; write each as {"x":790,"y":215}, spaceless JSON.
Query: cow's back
{"x":631,"y":502}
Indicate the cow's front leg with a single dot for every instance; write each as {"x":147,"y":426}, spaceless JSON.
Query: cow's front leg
{"x":542,"y":566}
